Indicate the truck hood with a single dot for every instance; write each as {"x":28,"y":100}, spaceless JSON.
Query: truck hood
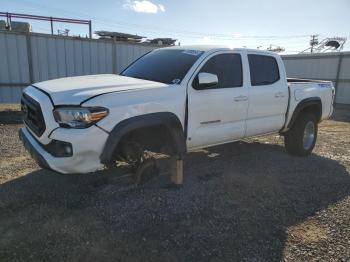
{"x":75,"y":90}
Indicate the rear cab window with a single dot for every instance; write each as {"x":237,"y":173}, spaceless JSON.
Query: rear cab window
{"x":263,"y":70}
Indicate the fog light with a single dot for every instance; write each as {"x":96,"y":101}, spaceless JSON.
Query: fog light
{"x":68,"y":150}
{"x":59,"y":148}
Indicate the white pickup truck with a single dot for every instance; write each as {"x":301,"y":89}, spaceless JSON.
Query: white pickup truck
{"x":171,"y":100}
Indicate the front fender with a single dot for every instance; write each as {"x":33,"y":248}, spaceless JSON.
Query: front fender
{"x":168,"y":119}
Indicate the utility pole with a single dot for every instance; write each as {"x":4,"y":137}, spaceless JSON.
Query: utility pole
{"x":313,"y":42}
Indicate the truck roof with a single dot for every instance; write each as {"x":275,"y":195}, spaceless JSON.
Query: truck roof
{"x":214,"y":48}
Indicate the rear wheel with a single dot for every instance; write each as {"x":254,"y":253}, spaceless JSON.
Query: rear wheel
{"x":300,"y":140}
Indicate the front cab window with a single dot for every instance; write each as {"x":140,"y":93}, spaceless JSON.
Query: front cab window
{"x":226,"y":67}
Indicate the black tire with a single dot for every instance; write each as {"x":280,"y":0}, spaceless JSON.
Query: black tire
{"x":294,"y":138}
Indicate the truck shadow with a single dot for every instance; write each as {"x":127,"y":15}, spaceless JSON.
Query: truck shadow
{"x":236,"y":204}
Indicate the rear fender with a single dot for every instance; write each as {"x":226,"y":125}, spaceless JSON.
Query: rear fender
{"x":303,"y":104}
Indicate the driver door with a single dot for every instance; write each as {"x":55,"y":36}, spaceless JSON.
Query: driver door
{"x":217,"y":114}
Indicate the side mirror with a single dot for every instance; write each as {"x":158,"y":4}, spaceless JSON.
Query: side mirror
{"x":206,"y":80}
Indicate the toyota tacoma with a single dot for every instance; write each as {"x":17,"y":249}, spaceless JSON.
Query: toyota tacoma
{"x":171,"y":100}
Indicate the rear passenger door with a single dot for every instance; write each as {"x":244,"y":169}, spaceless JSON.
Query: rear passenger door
{"x":268,"y":95}
{"x":217,"y":114}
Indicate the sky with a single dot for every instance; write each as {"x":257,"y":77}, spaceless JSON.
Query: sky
{"x":245,"y":23}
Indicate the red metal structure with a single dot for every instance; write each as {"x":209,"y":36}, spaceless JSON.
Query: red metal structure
{"x":51,"y":19}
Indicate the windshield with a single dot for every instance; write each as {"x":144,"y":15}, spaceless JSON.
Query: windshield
{"x":163,"y":65}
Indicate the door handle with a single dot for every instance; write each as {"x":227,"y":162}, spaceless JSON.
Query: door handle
{"x":279,"y":94}
{"x":241,"y":98}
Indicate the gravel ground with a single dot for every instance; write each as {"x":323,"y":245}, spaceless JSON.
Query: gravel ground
{"x":245,"y":201}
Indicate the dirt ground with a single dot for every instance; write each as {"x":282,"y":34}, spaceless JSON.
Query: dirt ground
{"x":245,"y":201}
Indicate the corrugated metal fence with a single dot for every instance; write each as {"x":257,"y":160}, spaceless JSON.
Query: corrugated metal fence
{"x":30,"y":58}
{"x":328,"y":66}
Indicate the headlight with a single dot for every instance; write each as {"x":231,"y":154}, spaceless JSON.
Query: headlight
{"x":79,"y":117}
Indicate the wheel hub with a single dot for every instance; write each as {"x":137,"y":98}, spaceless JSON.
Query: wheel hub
{"x":309,"y":135}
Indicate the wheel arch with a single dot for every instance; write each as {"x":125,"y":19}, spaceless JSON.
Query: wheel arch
{"x":167,"y":119}
{"x":311,"y":104}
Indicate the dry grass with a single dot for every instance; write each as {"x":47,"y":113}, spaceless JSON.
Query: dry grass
{"x":10,"y":107}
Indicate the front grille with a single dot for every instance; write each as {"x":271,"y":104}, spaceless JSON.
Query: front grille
{"x":32,"y":115}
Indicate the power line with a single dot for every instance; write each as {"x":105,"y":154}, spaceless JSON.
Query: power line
{"x":283,"y":40}
{"x":185,"y":33}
